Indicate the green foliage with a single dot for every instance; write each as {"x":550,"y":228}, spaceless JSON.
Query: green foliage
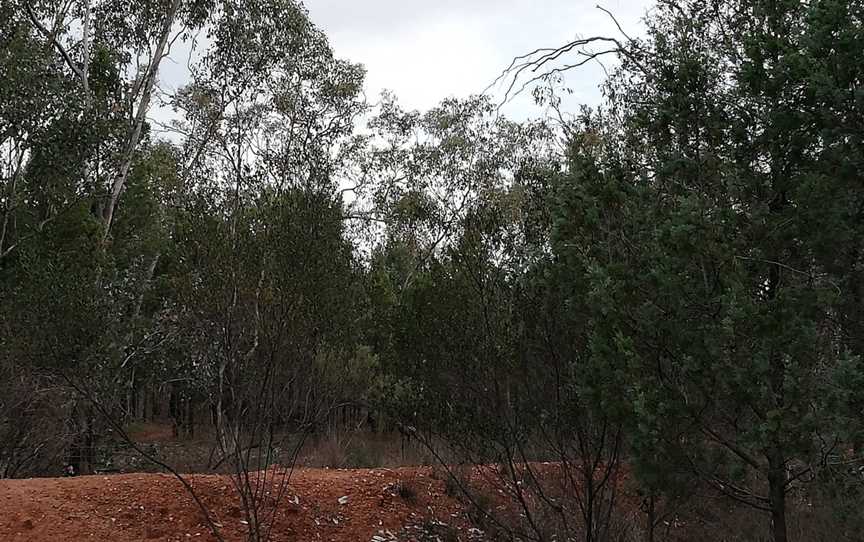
{"x":690,"y":222}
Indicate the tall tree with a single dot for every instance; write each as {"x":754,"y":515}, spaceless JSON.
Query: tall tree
{"x":701,"y":202}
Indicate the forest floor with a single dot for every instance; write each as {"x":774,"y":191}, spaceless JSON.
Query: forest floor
{"x":336,"y":505}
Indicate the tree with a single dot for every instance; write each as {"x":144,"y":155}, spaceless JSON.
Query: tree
{"x":82,"y":79}
{"x":263,"y":290}
{"x":471,"y":327}
{"x":699,"y":202}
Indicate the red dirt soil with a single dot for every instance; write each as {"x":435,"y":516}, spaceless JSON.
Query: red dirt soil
{"x":125,"y":507}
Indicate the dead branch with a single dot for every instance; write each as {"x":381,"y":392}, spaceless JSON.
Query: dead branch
{"x":536,"y":61}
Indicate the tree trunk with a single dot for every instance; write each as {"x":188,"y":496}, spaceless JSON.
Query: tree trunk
{"x":140,"y":400}
{"x":89,"y":463}
{"x":777,"y":493}
{"x":82,"y":455}
{"x":175,"y":411}
{"x":652,"y":520}
{"x":148,"y":82}
{"x":775,"y":454}
{"x":130,"y":397}
{"x":190,"y":418}
{"x":155,"y":402}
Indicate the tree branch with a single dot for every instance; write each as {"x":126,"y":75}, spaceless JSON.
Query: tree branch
{"x":52,"y":37}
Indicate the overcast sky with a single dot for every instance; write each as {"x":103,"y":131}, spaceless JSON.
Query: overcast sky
{"x":426,"y":50}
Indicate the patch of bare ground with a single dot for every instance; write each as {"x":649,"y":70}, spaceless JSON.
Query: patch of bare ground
{"x":127,"y":507}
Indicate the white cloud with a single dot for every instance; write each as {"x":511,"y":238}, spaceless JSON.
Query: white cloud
{"x":429,"y":50}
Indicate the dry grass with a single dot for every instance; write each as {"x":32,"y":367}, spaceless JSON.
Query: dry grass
{"x":362,"y":449}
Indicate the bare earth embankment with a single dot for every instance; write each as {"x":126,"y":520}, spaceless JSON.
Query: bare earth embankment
{"x":126,"y":507}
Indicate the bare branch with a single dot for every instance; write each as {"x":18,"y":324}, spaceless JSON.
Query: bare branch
{"x":537,"y":59}
{"x":52,"y":37}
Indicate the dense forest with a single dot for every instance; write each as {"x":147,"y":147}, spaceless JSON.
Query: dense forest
{"x":661,"y":296}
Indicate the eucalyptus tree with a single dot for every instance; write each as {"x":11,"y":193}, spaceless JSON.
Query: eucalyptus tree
{"x":478,"y":342}
{"x":267,"y":112}
{"x":70,"y":123}
{"x":110,"y":53}
{"x":262,"y":289}
{"x":423,"y":173}
{"x":423,"y":179}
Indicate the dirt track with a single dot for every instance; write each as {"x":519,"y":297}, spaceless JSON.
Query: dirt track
{"x":127,"y":507}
